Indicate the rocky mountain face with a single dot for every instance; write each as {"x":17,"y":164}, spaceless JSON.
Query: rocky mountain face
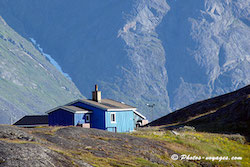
{"x":163,"y":52}
{"x":29,"y":84}
{"x":207,"y":48}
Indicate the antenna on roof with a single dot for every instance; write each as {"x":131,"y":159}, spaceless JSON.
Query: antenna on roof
{"x":152,"y":109}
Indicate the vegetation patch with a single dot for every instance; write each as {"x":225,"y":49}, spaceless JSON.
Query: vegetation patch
{"x":18,"y":141}
{"x":202,"y":144}
{"x":104,"y":138}
{"x":45,"y":130}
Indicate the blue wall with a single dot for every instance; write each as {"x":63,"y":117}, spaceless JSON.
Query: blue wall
{"x":100,"y":119}
{"x":61,"y":117}
{"x":79,"y":119}
{"x":97,"y":118}
{"x":124,"y":121}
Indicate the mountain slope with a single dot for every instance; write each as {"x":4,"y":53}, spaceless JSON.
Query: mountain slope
{"x":234,"y":118}
{"x":229,"y":113}
{"x":163,"y":52}
{"x":29,"y":84}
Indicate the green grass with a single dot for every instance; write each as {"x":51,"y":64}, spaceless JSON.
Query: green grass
{"x":202,"y":144}
{"x":142,"y":162}
{"x":16,"y":141}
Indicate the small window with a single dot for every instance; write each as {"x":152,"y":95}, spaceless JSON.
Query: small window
{"x":87,"y":118}
{"x":113,"y":118}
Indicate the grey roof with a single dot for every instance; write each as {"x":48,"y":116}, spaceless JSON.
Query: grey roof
{"x":72,"y":109}
{"x":33,"y":120}
{"x":108,"y":104}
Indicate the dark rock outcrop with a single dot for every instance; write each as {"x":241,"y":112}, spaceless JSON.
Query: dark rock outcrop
{"x":229,"y":113}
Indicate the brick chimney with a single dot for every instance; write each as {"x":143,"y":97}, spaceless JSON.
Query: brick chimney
{"x":96,"y":95}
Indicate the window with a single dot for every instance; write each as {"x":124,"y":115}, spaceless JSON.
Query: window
{"x":113,"y":117}
{"x":87,"y":118}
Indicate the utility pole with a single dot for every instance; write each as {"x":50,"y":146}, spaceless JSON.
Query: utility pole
{"x":152,"y":109}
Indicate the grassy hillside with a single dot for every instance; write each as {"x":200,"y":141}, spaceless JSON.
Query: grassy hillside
{"x":29,"y":84}
{"x":229,"y":113}
{"x":189,"y":142}
{"x":148,"y":147}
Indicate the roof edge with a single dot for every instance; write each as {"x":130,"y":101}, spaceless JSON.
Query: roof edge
{"x":125,"y":109}
{"x":136,"y":112}
{"x":67,"y":109}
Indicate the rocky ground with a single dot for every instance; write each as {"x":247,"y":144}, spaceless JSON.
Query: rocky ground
{"x":73,"y":146}
{"x":76,"y":146}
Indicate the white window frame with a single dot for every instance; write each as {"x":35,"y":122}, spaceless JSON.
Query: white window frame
{"x":87,"y":120}
{"x":113,"y":113}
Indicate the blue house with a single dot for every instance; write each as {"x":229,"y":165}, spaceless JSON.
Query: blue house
{"x":97,"y":113}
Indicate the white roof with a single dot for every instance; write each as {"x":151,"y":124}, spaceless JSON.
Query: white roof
{"x":139,"y":114}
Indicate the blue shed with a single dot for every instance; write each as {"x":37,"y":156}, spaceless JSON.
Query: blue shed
{"x":97,"y":113}
{"x":69,"y":115}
